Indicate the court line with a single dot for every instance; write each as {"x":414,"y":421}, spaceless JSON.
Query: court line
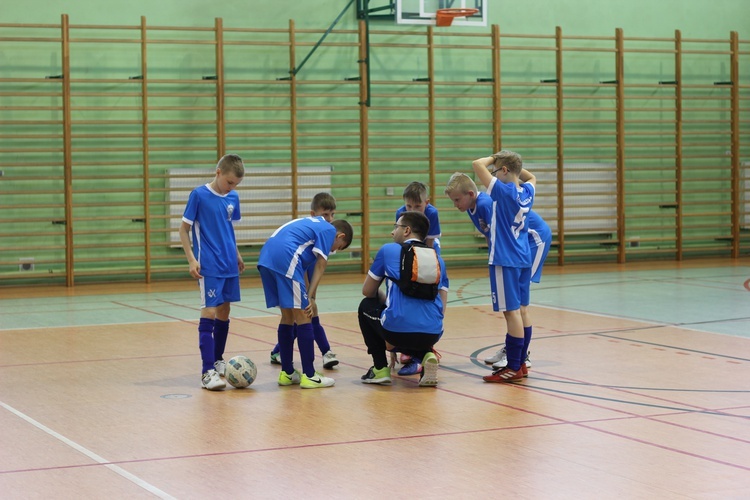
{"x":96,"y":458}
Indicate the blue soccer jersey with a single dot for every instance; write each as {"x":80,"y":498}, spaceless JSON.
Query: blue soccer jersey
{"x":509,"y":238}
{"x":432,"y":215}
{"x":540,"y":241}
{"x":211,"y":216}
{"x":482,"y":213}
{"x":540,"y":235}
{"x":295,"y":246}
{"x":403,"y":313}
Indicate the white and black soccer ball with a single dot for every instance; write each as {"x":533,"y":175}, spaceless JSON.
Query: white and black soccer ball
{"x":240,"y":371}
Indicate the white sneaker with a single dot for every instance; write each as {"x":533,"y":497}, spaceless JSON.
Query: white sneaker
{"x":316,"y":381}
{"x":504,"y":362}
{"x":429,"y":376}
{"x":221,"y":367}
{"x":212,"y":381}
{"x":329,"y":360}
{"x":498,"y":358}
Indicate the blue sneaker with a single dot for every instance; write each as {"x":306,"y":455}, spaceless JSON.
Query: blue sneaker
{"x":412,"y":368}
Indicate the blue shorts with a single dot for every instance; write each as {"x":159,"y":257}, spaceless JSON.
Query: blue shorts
{"x":281,"y":291}
{"x":216,"y":291}
{"x":510,"y":287}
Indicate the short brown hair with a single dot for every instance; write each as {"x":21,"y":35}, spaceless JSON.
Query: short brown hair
{"x":415,"y":191}
{"x":510,"y":160}
{"x":418,"y":222}
{"x":232,"y":163}
{"x":323,"y":201}
{"x":342,"y":226}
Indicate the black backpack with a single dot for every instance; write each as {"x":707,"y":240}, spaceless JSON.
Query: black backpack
{"x":420,"y":271}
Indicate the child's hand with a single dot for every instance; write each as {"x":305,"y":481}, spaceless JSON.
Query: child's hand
{"x":195,"y":270}
{"x":392,"y":363}
{"x":312,"y":308}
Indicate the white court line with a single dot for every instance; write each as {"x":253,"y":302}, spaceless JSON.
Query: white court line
{"x":114,"y":468}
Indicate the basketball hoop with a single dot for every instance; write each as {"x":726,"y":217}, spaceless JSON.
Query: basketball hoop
{"x":445,"y":16}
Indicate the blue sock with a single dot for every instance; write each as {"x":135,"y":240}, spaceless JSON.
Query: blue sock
{"x":275,"y":349}
{"x":526,"y":342}
{"x":320,"y":336}
{"x":206,"y":343}
{"x":306,"y":344}
{"x":221,"y":332}
{"x":286,"y":347}
{"x":513,"y":348}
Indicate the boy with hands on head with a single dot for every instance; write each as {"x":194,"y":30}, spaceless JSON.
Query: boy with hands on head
{"x":509,"y":255}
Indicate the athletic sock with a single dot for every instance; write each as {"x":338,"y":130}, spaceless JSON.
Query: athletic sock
{"x":320,"y":335}
{"x":206,"y":343}
{"x":513,"y":348}
{"x":286,"y":347}
{"x":526,"y":342}
{"x":306,"y":344}
{"x":221,"y":332}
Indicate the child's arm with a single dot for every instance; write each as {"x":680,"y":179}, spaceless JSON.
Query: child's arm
{"x":320,"y":267}
{"x":527,"y":177}
{"x":480,"y":166}
{"x":194,"y":265}
{"x":240,"y":262}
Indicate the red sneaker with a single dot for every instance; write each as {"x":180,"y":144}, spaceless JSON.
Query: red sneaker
{"x":525,"y":370}
{"x":504,"y":375}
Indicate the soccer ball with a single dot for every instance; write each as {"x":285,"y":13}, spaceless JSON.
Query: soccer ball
{"x":240,"y":371}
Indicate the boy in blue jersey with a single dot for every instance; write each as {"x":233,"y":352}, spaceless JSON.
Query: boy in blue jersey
{"x":394,"y":320}
{"x":416,"y":200}
{"x":324,"y":205}
{"x":465,"y":196}
{"x":509,"y":254}
{"x":210,"y":212}
{"x":284,"y":262}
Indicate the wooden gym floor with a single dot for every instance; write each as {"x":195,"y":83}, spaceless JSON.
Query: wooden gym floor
{"x":640,"y":388}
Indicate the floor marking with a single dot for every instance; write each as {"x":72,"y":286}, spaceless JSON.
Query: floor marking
{"x":114,"y":468}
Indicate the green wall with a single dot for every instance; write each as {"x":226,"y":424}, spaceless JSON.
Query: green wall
{"x":695,"y":19}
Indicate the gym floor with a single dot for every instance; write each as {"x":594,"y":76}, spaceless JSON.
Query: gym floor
{"x":639,"y":388}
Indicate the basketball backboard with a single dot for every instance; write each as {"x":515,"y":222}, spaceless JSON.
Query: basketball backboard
{"x":425,"y":11}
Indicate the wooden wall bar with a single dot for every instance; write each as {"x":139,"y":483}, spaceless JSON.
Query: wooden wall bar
{"x":638,"y":154}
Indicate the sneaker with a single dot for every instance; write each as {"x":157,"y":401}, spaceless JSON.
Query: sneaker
{"x":286,"y":379}
{"x":525,"y":370}
{"x":329,"y":360}
{"x":377,"y":376}
{"x":429,"y":371}
{"x":316,"y":381}
{"x":499,"y":358}
{"x":212,"y":381}
{"x":411,"y":368}
{"x":504,"y":362}
{"x":275,"y":358}
{"x":404,"y":359}
{"x":504,"y":375}
{"x":221,"y":367}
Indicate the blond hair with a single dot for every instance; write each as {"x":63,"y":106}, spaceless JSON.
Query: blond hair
{"x":460,"y":182}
